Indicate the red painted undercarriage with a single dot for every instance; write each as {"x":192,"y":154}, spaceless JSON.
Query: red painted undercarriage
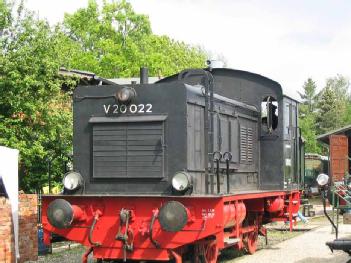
{"x":114,"y":227}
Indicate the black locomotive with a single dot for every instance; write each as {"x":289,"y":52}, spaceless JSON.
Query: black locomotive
{"x":201,"y":148}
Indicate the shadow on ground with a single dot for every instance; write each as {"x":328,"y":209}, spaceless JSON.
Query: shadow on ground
{"x":323,"y":260}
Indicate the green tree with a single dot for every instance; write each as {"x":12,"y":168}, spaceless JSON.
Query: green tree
{"x":348,"y":113}
{"x":340,"y":85}
{"x":330,"y":115}
{"x":5,"y":14}
{"x":307,"y":118}
{"x":307,"y":125}
{"x":35,"y":115}
{"x":114,"y":41}
{"x":309,"y":94}
{"x":333,"y":104}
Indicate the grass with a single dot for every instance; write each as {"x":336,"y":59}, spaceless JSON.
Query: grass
{"x":72,"y":255}
{"x":277,"y":235}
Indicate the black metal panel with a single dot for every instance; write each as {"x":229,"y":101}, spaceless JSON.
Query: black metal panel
{"x":89,"y":111}
{"x":128,"y":150}
{"x":228,"y":117}
{"x":252,"y":88}
{"x":195,"y":135}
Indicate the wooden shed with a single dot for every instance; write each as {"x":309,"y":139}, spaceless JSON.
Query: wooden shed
{"x":339,"y":145}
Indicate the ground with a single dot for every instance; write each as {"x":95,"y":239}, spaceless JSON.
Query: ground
{"x":307,"y":248}
{"x":306,"y":245}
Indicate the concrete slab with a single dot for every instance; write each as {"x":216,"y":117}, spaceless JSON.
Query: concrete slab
{"x":307,"y":248}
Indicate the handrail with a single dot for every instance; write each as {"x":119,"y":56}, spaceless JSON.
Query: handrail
{"x":90,"y":236}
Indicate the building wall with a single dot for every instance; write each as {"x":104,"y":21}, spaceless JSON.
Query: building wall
{"x":28,"y":237}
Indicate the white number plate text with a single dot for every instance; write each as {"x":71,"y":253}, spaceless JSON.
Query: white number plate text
{"x":122,"y":109}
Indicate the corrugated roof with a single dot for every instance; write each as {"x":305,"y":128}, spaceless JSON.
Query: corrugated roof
{"x":90,"y":77}
{"x":346,"y":130}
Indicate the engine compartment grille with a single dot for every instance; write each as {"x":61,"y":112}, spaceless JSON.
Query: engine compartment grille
{"x":246,"y":145}
{"x":128,"y":150}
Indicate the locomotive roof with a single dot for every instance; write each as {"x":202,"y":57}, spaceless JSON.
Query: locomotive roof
{"x":217,"y":71}
{"x":241,"y":74}
{"x":197,"y":90}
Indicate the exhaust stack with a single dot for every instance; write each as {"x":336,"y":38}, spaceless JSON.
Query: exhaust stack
{"x":144,"y":75}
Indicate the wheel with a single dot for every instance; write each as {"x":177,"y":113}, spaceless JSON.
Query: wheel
{"x":206,"y":252}
{"x":251,"y":242}
{"x":211,"y":252}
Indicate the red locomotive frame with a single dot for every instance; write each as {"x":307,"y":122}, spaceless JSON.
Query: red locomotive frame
{"x":115,"y":227}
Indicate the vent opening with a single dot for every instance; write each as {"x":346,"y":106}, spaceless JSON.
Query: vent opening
{"x":128,"y":150}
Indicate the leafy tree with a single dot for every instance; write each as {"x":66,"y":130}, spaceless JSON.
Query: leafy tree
{"x":309,"y":95}
{"x":307,"y":117}
{"x":333,"y":103}
{"x":348,"y":113}
{"x":329,"y":109}
{"x":35,"y":115}
{"x":330,"y":115}
{"x":5,"y":14}
{"x":307,"y":125}
{"x":340,"y":85}
{"x":114,"y":41}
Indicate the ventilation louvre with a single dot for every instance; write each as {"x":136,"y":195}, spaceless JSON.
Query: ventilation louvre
{"x":128,"y":150}
{"x":246,"y":145}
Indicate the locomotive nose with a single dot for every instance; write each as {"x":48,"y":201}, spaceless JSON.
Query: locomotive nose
{"x":61,"y":213}
{"x":173,"y":216}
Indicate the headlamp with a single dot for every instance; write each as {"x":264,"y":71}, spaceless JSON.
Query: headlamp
{"x":126,"y":94}
{"x":322,"y":179}
{"x":181,"y":181}
{"x":72,"y":181}
{"x":173,"y":216}
{"x":62,"y":214}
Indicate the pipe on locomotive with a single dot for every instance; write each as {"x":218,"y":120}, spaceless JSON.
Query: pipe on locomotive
{"x":208,"y":121}
{"x":210,"y":83}
{"x":144,"y":75}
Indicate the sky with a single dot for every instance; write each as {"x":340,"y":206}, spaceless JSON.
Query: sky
{"x":287,"y":41}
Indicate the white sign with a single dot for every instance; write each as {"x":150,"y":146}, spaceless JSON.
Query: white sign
{"x":9,"y":175}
